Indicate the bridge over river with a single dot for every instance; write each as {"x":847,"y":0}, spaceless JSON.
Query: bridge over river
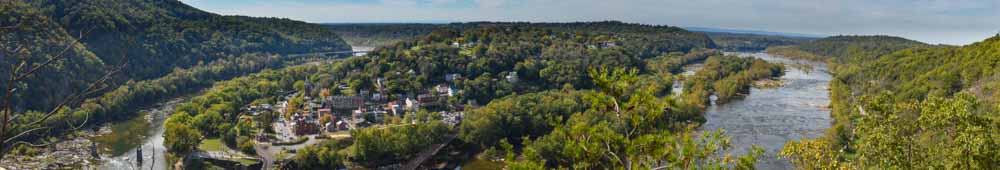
{"x":352,"y":53}
{"x":152,"y":142}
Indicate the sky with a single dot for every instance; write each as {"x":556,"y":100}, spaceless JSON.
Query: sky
{"x":955,"y":22}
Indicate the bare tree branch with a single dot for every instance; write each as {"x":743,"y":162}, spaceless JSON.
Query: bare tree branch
{"x":18,"y":25}
{"x":92,"y":88}
{"x":32,"y":144}
{"x":26,"y":132}
{"x":77,"y":127}
{"x":16,"y":75}
{"x":59,"y":56}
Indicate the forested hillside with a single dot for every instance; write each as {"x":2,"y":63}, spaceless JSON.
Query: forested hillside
{"x":848,"y":48}
{"x":541,"y":58}
{"x":32,"y":37}
{"x":638,"y":36}
{"x":903,"y":104}
{"x":647,"y":40}
{"x":149,"y":37}
{"x":71,"y":64}
{"x":752,"y":42}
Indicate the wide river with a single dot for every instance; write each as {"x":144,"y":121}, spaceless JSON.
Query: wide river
{"x":770,"y":117}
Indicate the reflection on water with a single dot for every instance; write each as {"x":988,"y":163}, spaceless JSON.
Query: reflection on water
{"x":146,"y":130}
{"x":770,"y":117}
{"x":361,"y":48}
{"x":124,"y":136}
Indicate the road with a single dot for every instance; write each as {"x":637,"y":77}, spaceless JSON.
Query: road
{"x":222,"y":155}
{"x":266,"y":158}
{"x":267,"y":153}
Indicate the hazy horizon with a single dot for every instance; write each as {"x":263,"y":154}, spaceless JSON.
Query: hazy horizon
{"x":957,"y":22}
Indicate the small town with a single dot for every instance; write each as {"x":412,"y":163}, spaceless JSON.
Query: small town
{"x":333,"y":116}
{"x":499,"y":84}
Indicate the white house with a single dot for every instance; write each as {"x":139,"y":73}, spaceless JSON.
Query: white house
{"x":412,"y":104}
{"x":444,"y":89}
{"x":512,"y":77}
{"x":452,"y":77}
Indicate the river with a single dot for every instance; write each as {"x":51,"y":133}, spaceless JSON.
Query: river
{"x":770,"y":117}
{"x":153,"y":151}
{"x":360,"y":49}
{"x":689,"y":70}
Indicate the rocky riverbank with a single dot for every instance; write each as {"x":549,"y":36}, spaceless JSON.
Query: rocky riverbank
{"x":71,"y":153}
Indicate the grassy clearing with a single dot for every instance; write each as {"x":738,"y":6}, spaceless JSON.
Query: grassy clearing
{"x":210,"y":145}
{"x":247,"y":161}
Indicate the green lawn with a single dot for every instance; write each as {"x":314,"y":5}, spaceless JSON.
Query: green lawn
{"x":247,"y":161}
{"x":210,"y":145}
{"x":343,"y":132}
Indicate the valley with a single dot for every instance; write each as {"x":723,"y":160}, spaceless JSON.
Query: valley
{"x":166,"y":84}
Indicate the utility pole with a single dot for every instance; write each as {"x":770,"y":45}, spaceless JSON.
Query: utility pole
{"x":153,"y":158}
{"x":93,"y":150}
{"x":138,"y":156}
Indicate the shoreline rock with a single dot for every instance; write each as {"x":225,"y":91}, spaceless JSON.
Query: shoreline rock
{"x":768,"y":83}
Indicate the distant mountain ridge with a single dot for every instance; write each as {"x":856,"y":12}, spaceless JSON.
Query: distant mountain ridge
{"x":382,"y":34}
{"x":739,"y":31}
{"x":858,"y":47}
{"x":152,"y":36}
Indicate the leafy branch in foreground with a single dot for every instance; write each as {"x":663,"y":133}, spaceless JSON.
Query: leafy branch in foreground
{"x":891,"y":134}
